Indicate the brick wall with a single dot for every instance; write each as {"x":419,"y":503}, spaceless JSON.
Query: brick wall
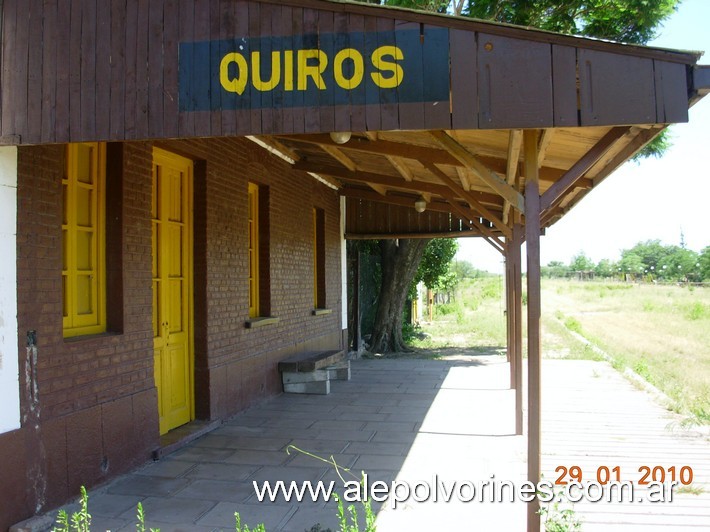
{"x":91,"y":390}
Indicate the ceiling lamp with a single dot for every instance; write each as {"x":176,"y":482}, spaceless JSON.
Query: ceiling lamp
{"x":340,"y":137}
{"x":420,"y":205}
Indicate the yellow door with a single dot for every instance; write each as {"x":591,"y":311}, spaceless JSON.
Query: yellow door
{"x":172,"y":288}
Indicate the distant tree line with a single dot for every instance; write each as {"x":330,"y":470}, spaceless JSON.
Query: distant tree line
{"x":649,"y":260}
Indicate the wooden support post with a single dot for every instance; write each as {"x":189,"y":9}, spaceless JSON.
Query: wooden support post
{"x":532,"y":237}
{"x":517,"y":283}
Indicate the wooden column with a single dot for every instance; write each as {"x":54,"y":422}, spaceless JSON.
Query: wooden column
{"x":517,"y":282}
{"x":532,"y":237}
{"x":514,"y":320}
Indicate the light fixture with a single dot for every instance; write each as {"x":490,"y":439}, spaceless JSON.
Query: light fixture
{"x":420,"y":205}
{"x":340,"y":137}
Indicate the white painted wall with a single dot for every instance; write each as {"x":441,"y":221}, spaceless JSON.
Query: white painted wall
{"x":9,"y":371}
{"x":343,"y":265}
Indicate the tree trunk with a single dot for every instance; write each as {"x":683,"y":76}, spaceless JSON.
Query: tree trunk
{"x":400,"y":261}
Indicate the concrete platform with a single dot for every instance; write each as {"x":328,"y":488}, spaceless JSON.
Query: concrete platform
{"x":418,"y":420}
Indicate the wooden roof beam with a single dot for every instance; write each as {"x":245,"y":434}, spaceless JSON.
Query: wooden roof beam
{"x":412,"y":151}
{"x":469,"y":218}
{"x":392,"y":181}
{"x":578,"y":169}
{"x":401,"y":167}
{"x":338,"y":155}
{"x":435,"y":205}
{"x":463,"y":177}
{"x":543,"y":144}
{"x":467,"y":196}
{"x":471,"y":161}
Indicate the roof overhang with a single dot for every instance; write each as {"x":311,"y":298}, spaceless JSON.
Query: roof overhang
{"x":435,"y":105}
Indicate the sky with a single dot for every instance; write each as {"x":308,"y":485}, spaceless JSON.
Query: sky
{"x":652,"y":199}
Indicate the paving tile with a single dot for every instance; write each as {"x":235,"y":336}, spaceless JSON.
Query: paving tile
{"x":232,"y":441}
{"x":390,"y":426}
{"x":288,"y":474}
{"x":221,"y":471}
{"x":373,"y":447}
{"x":105,"y":504}
{"x":168,"y":467}
{"x":165,"y":509}
{"x":379,"y":461}
{"x":258,"y":458}
{"x":345,"y":435}
{"x":394,"y":437}
{"x":217,"y":490}
{"x":317,"y":446}
{"x":202,"y":454}
{"x":336,"y":425}
{"x":270,"y":514}
{"x":142,"y":485}
{"x":343,"y":460}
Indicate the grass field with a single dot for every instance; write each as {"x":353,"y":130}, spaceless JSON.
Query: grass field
{"x":660,"y":332}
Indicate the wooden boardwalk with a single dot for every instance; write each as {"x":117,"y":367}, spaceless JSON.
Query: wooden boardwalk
{"x":594,"y":418}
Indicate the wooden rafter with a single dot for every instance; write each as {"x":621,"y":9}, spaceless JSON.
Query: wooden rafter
{"x":471,"y":161}
{"x":543,"y":144}
{"x":338,"y":155}
{"x":467,"y":196}
{"x":414,"y":152}
{"x":391,"y":181}
{"x":515,"y":139}
{"x":435,"y":205}
{"x":469,"y":217}
{"x":400,"y":166}
{"x":569,"y":180}
{"x":463,"y":177}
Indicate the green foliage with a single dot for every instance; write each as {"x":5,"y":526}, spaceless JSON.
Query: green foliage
{"x":631,"y":21}
{"x":698,"y":311}
{"x":704,"y":261}
{"x":581,"y":263}
{"x":80,"y":521}
{"x":244,"y":528}
{"x":434,"y":268}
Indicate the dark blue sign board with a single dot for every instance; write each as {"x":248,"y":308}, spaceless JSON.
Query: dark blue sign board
{"x":315,"y":70}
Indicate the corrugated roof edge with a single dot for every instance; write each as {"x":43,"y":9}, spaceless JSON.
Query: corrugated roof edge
{"x":465,"y":23}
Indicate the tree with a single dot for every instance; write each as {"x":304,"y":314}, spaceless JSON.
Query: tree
{"x":436,"y":261}
{"x":704,"y":261}
{"x":581,"y":263}
{"x":399,"y":262}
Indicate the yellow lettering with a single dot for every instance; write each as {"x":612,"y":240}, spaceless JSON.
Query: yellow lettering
{"x":288,"y":70}
{"x":313,"y":71}
{"x":378,"y":61}
{"x":238,"y":83}
{"x":358,"y":68}
{"x":260,"y":84}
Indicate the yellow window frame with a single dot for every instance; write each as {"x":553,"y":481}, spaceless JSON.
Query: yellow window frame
{"x":84,"y":240}
{"x":253,"y":233}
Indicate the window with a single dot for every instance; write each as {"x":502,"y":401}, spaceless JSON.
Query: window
{"x":253,"y":250}
{"x":318,"y":259}
{"x":83,"y":240}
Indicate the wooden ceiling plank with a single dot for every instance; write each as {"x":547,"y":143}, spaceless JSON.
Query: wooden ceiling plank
{"x":471,"y":161}
{"x":473,"y":202}
{"x":338,"y":155}
{"x":569,"y":180}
